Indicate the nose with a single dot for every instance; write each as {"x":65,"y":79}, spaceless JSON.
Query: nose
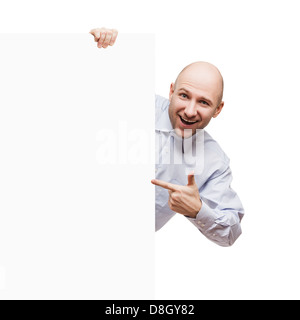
{"x":191,"y":109}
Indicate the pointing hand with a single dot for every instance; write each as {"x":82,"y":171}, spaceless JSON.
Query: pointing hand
{"x":182,"y":199}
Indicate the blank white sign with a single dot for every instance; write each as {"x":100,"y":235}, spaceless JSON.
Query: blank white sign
{"x":77,"y":205}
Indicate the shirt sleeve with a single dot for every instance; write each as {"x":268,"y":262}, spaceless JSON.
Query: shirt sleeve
{"x":219,"y":218}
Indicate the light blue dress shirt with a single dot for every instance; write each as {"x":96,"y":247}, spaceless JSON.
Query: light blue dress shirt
{"x":221,"y":213}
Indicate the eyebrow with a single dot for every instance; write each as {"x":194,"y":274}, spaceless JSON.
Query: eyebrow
{"x":202,"y":98}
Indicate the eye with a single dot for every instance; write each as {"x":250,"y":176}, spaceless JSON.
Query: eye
{"x":203,"y":102}
{"x":183,"y":95}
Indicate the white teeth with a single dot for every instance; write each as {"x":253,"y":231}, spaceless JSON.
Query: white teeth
{"x":188,"y":120}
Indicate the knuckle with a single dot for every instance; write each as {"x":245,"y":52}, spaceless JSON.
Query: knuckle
{"x":175,"y":196}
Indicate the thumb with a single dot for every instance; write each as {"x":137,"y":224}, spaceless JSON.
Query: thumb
{"x":191,"y":179}
{"x":96,"y":34}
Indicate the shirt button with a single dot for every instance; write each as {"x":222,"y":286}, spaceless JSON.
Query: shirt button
{"x":203,"y":225}
{"x":214,"y":234}
{"x":199,"y":222}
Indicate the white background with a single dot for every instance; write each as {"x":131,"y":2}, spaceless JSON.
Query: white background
{"x":255,"y":45}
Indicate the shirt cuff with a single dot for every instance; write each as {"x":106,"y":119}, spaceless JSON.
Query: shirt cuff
{"x":204,"y":219}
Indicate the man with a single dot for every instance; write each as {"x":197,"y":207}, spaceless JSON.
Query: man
{"x":196,"y":186}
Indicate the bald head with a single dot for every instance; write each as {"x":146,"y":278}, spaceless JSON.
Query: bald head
{"x":201,"y":73}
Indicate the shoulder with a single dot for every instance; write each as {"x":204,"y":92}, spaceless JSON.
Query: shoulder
{"x":161,"y":107}
{"x":161,"y":103}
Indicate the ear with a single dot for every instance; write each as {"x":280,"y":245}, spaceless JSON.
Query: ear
{"x":218,"y":109}
{"x":172,"y":88}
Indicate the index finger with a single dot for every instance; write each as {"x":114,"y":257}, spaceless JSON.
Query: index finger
{"x":165,"y":185}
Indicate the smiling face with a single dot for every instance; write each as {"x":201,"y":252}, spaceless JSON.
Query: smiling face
{"x":195,"y":98}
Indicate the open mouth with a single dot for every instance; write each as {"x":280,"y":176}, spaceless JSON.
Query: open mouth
{"x":187,"y":122}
